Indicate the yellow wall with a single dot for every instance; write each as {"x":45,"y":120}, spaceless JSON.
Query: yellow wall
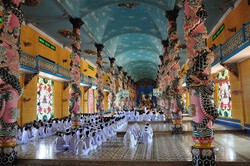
{"x":86,"y":71}
{"x":245,"y":82}
{"x":105,"y":101}
{"x":30,"y":35}
{"x":236,"y":18}
{"x":28,"y":109}
{"x":85,"y":101}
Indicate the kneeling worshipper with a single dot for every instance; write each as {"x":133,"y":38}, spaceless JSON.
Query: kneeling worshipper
{"x":81,"y":147}
{"x":97,"y":138}
{"x":25,"y":135}
{"x":154,"y":116}
{"x":161,"y":116}
{"x":67,"y":136}
{"x":59,"y":143}
{"x":129,"y":139}
{"x":149,"y":128}
{"x":72,"y":142}
{"x":146,"y":137}
{"x":36,"y":133}
{"x":90,"y":142}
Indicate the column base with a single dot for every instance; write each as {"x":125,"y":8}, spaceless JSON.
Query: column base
{"x":203,"y":156}
{"x":8,"y":155}
{"x":177,"y":129}
{"x":168,"y":120}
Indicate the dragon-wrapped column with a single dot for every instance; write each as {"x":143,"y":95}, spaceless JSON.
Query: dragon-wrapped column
{"x":99,"y":69}
{"x":10,"y":87}
{"x":200,"y":83}
{"x":174,"y":68}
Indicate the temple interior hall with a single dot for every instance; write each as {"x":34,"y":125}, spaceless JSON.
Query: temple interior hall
{"x":125,"y":82}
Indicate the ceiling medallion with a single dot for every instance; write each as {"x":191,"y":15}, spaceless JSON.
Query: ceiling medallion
{"x":89,"y":51}
{"x":128,"y":5}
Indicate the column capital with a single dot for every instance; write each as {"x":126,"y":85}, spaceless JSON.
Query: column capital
{"x":165,"y":43}
{"x":76,"y":22}
{"x":172,"y":14}
{"x":119,"y":68}
{"x":99,"y":47}
{"x":112,"y":60}
{"x":125,"y":74}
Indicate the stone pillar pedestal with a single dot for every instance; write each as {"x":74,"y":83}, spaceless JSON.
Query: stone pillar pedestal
{"x":203,"y":156}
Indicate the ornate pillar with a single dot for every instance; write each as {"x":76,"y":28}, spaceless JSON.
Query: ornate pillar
{"x":99,"y":68}
{"x":120,"y":86}
{"x":10,"y":87}
{"x":129,"y":92}
{"x":176,"y":103}
{"x":112,"y":85}
{"x":75,"y":69}
{"x":200,"y":83}
{"x":167,"y":79}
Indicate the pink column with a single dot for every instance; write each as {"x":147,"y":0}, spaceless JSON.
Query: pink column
{"x":199,"y":83}
{"x":112,"y":83}
{"x":99,"y":68}
{"x":10,"y":87}
{"x":174,"y":69}
{"x":75,"y":69}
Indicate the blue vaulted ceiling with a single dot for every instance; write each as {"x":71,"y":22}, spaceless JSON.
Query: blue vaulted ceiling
{"x":131,"y":35}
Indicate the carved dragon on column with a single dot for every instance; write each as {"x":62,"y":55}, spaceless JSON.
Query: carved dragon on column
{"x":100,"y":95}
{"x":200,"y":83}
{"x":10,"y":87}
{"x":113,"y":83}
{"x":174,"y":69}
{"x":75,"y":65}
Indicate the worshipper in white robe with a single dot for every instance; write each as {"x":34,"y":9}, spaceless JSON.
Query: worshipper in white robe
{"x":161,"y":116}
{"x":102,"y":135}
{"x":45,"y":131}
{"x":146,"y":136}
{"x":90,"y":142}
{"x":25,"y":135}
{"x":72,"y":142}
{"x":129,"y":139}
{"x":59,"y":143}
{"x":67,"y":136}
{"x":154,"y":116}
{"x":147,"y":117}
{"x":97,"y":138}
{"x":19,"y":135}
{"x":149,"y":128}
{"x":81,"y":147}
{"x":36,"y":133}
{"x":50,"y":130}
{"x":41,"y":130}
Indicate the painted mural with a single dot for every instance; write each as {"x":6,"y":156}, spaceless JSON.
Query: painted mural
{"x":45,"y":99}
{"x":225,"y":103}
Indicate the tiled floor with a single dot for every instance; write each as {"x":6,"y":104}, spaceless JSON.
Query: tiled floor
{"x":165,"y":147}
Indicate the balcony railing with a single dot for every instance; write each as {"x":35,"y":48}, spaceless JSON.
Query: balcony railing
{"x":238,"y":39}
{"x":35,"y":62}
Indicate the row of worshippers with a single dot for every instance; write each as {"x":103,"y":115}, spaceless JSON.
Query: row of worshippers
{"x":85,"y":139}
{"x":145,"y":116}
{"x":135,"y":135}
{"x":42,"y":129}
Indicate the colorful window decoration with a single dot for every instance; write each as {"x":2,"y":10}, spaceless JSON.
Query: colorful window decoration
{"x":45,"y":99}
{"x":225,"y":103}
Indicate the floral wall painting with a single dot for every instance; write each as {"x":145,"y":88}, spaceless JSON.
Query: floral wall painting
{"x":45,"y":99}
{"x":225,"y":104}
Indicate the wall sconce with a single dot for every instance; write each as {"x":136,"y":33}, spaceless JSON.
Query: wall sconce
{"x":85,"y":70}
{"x":64,"y":100}
{"x":232,"y":29}
{"x":27,"y":44}
{"x":65,"y":60}
{"x":26,"y":99}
